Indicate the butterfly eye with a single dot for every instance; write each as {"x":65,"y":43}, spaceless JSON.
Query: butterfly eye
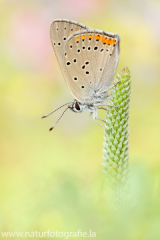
{"x":77,"y":106}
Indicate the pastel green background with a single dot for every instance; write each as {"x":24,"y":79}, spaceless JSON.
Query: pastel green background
{"x":55,"y":180}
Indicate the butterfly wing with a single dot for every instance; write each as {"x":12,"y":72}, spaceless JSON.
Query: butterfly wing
{"x":60,"y":30}
{"x":111,"y":63}
{"x":90,"y":59}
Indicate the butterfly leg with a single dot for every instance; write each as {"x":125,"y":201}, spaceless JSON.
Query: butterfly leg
{"x":99,"y":124}
{"x":101,"y":120}
{"x":95,"y":117}
{"x":103,"y":108}
{"x":108,"y":88}
{"x":108,"y":105}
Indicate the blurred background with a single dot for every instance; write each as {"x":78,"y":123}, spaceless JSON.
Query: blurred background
{"x":55,"y":180}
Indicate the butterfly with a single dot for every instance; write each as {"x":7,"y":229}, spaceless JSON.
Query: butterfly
{"x":88,"y":60}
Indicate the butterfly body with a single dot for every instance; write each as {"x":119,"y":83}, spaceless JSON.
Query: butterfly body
{"x":79,"y":107}
{"x":88,"y":59}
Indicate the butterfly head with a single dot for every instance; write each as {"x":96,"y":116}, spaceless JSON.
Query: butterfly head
{"x":76,"y":107}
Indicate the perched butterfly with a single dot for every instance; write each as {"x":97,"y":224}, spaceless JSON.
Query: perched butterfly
{"x":88,"y":59}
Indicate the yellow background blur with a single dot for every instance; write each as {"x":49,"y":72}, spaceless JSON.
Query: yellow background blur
{"x":55,"y":180}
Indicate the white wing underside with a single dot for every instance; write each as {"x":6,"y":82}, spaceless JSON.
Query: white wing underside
{"x":88,"y":64}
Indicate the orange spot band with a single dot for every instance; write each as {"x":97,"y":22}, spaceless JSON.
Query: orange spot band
{"x":110,"y":41}
{"x":77,"y":39}
{"x":114,"y":42}
{"x":97,"y":37}
{"x":90,"y":36}
{"x":105,"y":40}
{"x":83,"y":37}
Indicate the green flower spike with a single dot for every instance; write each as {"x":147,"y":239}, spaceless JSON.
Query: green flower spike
{"x":116,"y":142}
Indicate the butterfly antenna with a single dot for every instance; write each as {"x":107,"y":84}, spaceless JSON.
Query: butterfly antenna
{"x":55,"y":110}
{"x":59,"y":118}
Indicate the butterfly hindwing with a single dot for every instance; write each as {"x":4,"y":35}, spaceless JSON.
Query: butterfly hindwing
{"x":90,"y":60}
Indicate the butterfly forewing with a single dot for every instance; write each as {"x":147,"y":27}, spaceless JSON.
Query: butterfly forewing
{"x":90,"y":59}
{"x":60,"y":30}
